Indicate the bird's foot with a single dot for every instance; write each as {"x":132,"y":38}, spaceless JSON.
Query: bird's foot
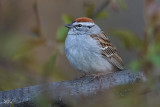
{"x":84,"y":75}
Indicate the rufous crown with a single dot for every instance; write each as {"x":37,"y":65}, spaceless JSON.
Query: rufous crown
{"x":84,"y":19}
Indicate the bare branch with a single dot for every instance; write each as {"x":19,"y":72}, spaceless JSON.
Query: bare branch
{"x":58,"y":91}
{"x":106,"y":3}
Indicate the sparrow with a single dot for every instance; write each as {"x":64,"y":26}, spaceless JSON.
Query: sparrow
{"x":89,"y":49}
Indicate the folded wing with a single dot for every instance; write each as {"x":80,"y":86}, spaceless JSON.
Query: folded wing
{"x":108,"y":51}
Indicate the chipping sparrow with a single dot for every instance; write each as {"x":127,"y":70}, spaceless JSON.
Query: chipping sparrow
{"x":89,"y":50}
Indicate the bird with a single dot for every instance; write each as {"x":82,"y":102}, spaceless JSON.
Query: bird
{"x":89,"y":49}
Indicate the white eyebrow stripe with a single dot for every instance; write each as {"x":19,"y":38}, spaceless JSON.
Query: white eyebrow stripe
{"x":84,"y":23}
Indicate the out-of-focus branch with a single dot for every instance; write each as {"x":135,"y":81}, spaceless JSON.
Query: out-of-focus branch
{"x":60,"y":91}
{"x":106,"y":3}
{"x":37,"y":29}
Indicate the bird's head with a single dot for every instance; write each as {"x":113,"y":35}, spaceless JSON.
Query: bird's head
{"x":83,"y":25}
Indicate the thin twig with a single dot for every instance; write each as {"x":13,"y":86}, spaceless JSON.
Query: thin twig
{"x":35,"y":9}
{"x":106,"y":3}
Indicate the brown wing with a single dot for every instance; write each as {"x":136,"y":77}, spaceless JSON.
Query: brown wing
{"x":109,"y":51}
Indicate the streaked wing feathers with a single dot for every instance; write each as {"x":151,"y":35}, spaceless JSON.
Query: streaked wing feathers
{"x":108,"y":51}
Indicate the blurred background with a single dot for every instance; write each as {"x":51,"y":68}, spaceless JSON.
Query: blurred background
{"x":32,"y":35}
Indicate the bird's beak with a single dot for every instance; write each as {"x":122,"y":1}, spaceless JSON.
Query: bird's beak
{"x":69,"y":25}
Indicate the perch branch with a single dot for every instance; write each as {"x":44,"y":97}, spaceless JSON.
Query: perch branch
{"x":59,"y":90}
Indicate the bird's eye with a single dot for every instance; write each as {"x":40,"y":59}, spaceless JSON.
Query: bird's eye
{"x":79,"y":25}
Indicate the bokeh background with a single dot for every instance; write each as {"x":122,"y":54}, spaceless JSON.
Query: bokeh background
{"x":32,"y":35}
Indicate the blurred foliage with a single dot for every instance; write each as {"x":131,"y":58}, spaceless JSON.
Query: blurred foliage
{"x":62,"y":30}
{"x":42,"y":101}
{"x":153,"y":54}
{"x":101,"y":15}
{"x":135,"y":65}
{"x":90,"y":12}
{"x":122,"y":4}
{"x":49,"y":66}
{"x":128,"y":38}
{"x":27,"y":47}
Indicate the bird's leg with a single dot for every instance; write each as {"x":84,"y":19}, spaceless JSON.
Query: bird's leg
{"x":97,"y":75}
{"x":84,"y":75}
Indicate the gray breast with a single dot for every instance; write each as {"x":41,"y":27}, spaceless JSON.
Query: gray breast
{"x":84,"y":53}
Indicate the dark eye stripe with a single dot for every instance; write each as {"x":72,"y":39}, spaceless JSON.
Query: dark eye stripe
{"x":89,"y":26}
{"x":79,"y":25}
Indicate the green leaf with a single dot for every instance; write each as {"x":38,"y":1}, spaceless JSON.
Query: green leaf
{"x":155,"y":48}
{"x":11,"y":104}
{"x":67,"y":19}
{"x":61,"y":34}
{"x":102,"y":15}
{"x":89,"y":10}
{"x":135,"y":65}
{"x":50,"y":64}
{"x":27,"y":47}
{"x":128,"y":38}
{"x":43,"y":100}
{"x":62,"y":30}
{"x":153,"y":54}
{"x":122,"y":4}
{"x":22,"y":51}
{"x":155,"y":59}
